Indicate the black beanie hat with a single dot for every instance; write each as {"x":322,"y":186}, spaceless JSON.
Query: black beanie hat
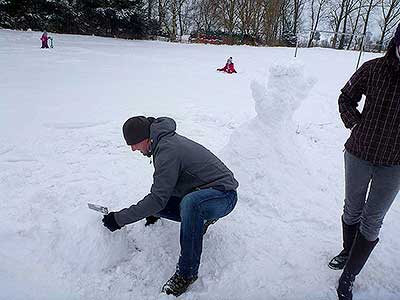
{"x":137,"y":129}
{"x":397,"y":36}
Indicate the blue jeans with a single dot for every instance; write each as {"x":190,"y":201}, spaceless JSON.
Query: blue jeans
{"x":368,"y":210}
{"x":192,"y":211}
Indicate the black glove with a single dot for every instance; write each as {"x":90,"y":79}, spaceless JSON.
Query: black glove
{"x":151,"y":220}
{"x":110,"y":223}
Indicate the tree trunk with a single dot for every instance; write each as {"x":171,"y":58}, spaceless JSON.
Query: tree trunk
{"x":355,"y":26}
{"x":342,"y":38}
{"x":339,"y":21}
{"x":371,"y":5}
{"x":315,"y":21}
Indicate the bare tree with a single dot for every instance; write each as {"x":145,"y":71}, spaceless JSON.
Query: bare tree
{"x":163,"y":18}
{"x":354,"y":21}
{"x":245,"y":15}
{"x":349,"y":8}
{"x":227,"y":10}
{"x":174,"y":15}
{"x":186,"y":11}
{"x":340,"y":16}
{"x":318,"y":11}
{"x":391,"y":16}
{"x":336,"y":15}
{"x":286,"y":16}
{"x":169,"y":14}
{"x":269,"y":20}
{"x":205,"y":15}
{"x":250,"y":14}
{"x":258,"y":19}
{"x":274,"y":19}
{"x":371,"y":4}
{"x":298,"y":7}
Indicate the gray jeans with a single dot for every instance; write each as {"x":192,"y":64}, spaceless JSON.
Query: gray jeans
{"x":369,"y":210}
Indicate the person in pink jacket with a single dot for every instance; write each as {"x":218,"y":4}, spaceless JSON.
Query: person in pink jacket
{"x":44,"y":40}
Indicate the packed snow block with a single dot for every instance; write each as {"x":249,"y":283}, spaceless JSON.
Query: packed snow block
{"x":86,"y":245}
{"x":287,"y":87}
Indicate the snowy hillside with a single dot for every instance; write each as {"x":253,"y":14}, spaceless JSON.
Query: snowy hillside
{"x":275,"y":124}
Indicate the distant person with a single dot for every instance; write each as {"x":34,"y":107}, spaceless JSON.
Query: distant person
{"x":229,"y":67}
{"x":372,"y":160}
{"x":44,"y":40}
{"x":190,"y":185}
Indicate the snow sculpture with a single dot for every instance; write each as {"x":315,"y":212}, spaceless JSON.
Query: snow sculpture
{"x":287,"y":87}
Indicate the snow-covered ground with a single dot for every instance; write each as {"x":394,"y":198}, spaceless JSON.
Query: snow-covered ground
{"x":275,"y":124}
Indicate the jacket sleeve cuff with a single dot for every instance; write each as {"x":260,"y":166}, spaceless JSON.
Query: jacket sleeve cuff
{"x":350,"y":120}
{"x":119,"y":223}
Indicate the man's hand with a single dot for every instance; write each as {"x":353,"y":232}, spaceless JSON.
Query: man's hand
{"x":110,"y":223}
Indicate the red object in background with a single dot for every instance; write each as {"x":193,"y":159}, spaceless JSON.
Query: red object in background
{"x":229,"y":68}
{"x":44,"y":40}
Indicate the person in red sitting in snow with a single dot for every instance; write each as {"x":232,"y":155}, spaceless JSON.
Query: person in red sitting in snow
{"x":229,"y":67}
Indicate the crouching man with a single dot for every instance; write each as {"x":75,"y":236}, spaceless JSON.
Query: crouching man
{"x":190,"y":185}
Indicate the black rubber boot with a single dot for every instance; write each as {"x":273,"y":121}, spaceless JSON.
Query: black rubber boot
{"x":345,"y":287}
{"x":349,"y":233}
{"x":359,"y":254}
{"x":177,"y":285}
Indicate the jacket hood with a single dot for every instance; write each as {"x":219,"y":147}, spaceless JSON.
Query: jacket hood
{"x":391,"y":57}
{"x":159,"y":128}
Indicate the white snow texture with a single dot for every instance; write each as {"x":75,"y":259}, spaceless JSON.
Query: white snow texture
{"x":275,"y":125}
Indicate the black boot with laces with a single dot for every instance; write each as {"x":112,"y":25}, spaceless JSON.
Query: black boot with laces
{"x":177,"y":285}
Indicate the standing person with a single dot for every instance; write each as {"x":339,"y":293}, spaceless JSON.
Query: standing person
{"x":190,"y":185}
{"x":44,"y":40}
{"x":372,"y":159}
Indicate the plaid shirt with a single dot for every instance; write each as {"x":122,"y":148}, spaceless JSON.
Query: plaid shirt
{"x":376,"y":133}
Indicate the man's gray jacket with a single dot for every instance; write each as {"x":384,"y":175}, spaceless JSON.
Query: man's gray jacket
{"x":181,"y":166}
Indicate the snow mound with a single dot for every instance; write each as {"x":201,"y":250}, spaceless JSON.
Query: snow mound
{"x":87,"y":246}
{"x":268,"y":147}
{"x":277,"y":172}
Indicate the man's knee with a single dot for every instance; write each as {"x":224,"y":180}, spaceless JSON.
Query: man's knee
{"x":187,"y":206}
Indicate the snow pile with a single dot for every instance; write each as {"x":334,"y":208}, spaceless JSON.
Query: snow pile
{"x":61,"y":147}
{"x":268,"y":147}
{"x":58,"y":250}
{"x":85,"y":246}
{"x":278,"y":185}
